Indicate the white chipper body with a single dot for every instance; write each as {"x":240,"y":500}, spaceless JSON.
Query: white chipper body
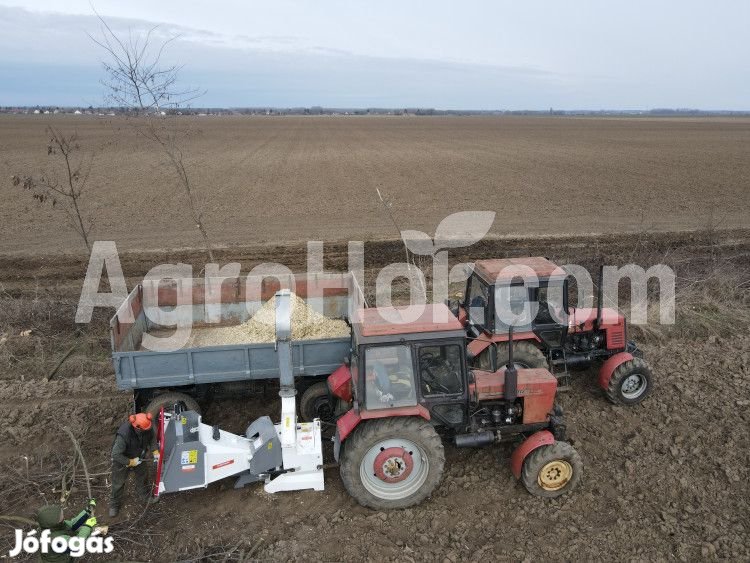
{"x":287,"y":456}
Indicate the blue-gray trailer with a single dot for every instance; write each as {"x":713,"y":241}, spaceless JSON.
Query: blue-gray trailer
{"x":192,"y":373}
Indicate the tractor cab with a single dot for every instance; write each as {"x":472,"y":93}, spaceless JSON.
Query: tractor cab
{"x":530,"y":294}
{"x":410,"y":359}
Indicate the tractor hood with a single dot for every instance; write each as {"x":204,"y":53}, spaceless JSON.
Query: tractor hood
{"x":586,"y":316}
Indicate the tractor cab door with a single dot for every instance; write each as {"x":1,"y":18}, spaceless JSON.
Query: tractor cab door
{"x":551,"y":321}
{"x":441,"y":368}
{"x":389,"y":380}
{"x":477,"y":304}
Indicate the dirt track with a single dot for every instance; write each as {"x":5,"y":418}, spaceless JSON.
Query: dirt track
{"x":301,"y":178}
{"x":669,"y":479}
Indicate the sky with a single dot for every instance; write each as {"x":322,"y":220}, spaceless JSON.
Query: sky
{"x":472,"y":54}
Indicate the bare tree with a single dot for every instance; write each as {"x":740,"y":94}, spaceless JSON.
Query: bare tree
{"x":136,"y":79}
{"x":63,"y":189}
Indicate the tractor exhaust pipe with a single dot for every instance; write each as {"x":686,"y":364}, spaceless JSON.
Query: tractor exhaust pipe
{"x":511,"y":374}
{"x":599,"y":298}
{"x":475,"y":440}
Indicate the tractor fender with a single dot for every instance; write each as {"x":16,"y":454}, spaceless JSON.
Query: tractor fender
{"x":479,"y":345}
{"x":536,"y":440}
{"x":609,"y":367}
{"x":349,"y":420}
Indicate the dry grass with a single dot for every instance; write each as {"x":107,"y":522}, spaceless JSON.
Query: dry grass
{"x":717,"y":305}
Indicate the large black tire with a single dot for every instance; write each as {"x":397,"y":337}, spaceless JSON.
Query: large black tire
{"x":415,"y":470}
{"x":552,"y":470}
{"x":525,"y":355}
{"x":630,"y":383}
{"x":316,"y":403}
{"x":168,"y":400}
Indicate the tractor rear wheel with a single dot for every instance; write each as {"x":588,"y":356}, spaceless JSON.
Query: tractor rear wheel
{"x":630,"y":383}
{"x":392,"y":462}
{"x":169,"y":400}
{"x":552,"y":470}
{"x":525,"y":355}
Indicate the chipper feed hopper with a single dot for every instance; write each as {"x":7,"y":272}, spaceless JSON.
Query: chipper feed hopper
{"x":286,"y":456}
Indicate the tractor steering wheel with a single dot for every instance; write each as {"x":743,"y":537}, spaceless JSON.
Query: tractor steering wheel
{"x":426,"y":360}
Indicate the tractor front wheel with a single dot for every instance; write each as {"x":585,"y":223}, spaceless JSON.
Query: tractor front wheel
{"x":630,"y":383}
{"x":552,"y":470}
{"x":392,"y":462}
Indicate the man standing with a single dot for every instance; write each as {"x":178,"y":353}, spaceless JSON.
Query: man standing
{"x":50,"y":517}
{"x":134,"y":439}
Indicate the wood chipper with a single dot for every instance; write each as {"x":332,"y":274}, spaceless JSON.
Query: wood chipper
{"x":285,"y":456}
{"x":559,"y":337}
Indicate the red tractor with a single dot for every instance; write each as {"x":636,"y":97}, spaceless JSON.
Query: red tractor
{"x":559,"y":337}
{"x":407,"y":385}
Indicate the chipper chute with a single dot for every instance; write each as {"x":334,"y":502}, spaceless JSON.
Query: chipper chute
{"x":285,"y":457}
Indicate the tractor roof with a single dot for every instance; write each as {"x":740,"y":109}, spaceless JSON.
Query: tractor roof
{"x":505,"y":269}
{"x":383,"y":321}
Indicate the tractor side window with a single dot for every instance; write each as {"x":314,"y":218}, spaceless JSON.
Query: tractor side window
{"x":552,"y":302}
{"x":440,"y":369}
{"x":389,"y":377}
{"x":543,"y":314}
{"x":479,"y":295}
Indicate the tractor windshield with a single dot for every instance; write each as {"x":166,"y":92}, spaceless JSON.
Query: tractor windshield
{"x":389,"y":377}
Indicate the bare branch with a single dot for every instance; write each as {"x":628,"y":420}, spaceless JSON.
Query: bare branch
{"x":76,"y":167}
{"x":136,"y":79}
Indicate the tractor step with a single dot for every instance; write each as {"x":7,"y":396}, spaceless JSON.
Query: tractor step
{"x":562,"y":375}
{"x":563,"y":381}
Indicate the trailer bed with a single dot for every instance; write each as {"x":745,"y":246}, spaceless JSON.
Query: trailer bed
{"x":194,"y":364}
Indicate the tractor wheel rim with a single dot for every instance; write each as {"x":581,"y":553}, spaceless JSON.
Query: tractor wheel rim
{"x":393,"y":465}
{"x":554,"y":475}
{"x":394,"y":469}
{"x":634,"y":386}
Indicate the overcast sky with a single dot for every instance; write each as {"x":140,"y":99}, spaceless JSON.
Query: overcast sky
{"x":471,"y":54}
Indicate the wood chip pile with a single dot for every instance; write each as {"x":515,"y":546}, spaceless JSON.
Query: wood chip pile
{"x":307,"y":324}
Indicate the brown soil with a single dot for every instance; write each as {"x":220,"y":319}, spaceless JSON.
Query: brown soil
{"x":269,"y":179}
{"x":668,"y":479}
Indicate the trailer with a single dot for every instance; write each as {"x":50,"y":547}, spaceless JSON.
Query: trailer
{"x":190,"y":375}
